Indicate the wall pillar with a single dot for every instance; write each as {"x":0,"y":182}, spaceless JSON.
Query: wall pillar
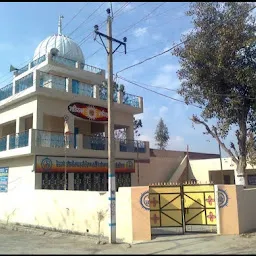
{"x":38,"y":180}
{"x":69,"y":85}
{"x":130,"y":133}
{"x":36,"y":78}
{"x":20,"y":124}
{"x":96,"y":92}
{"x":120,"y":96}
{"x":70,"y":181}
{"x":38,"y":120}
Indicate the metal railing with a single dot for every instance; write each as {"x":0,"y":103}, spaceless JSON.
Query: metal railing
{"x":91,"y":68}
{"x":3,"y":144}
{"x":64,"y":61}
{"x":132,"y":146}
{"x":131,"y":100}
{"x":6,"y":92}
{"x":54,"y":139}
{"x":38,"y":61}
{"x":24,"y":83}
{"x":53,"y":81}
{"x":82,"y":88}
{"x":18,"y":140}
{"x":103,"y":92}
{"x":22,"y":70}
{"x":94,"y":142}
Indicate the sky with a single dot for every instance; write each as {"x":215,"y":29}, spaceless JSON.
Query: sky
{"x":150,"y":28}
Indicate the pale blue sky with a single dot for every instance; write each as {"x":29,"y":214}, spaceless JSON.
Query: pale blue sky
{"x":25,"y":25}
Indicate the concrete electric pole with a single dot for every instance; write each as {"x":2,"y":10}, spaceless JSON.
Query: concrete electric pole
{"x":111,"y":141}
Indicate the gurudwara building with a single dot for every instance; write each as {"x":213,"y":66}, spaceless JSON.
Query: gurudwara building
{"x":53,"y":121}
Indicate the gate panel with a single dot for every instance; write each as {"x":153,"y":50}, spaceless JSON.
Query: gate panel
{"x":199,"y":205}
{"x":165,"y":207}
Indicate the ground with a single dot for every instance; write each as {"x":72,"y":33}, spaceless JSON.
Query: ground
{"x":34,"y":241}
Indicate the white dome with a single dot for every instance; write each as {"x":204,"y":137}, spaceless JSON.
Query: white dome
{"x":66,"y":46}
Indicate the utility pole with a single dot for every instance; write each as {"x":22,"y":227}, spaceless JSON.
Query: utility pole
{"x":111,"y":141}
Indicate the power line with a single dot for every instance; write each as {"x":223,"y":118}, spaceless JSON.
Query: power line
{"x":168,"y":50}
{"x":176,"y":90}
{"x":87,"y":18}
{"x":75,"y":16}
{"x":164,"y":95}
{"x":144,"y":18}
{"x":27,"y":62}
{"x":131,"y":26}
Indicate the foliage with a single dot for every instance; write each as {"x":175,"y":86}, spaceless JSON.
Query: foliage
{"x":218,"y":72}
{"x":161,"y":135}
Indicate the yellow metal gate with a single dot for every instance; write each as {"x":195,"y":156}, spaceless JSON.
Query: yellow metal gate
{"x":165,"y":206}
{"x":199,"y":205}
{"x":182,"y":207}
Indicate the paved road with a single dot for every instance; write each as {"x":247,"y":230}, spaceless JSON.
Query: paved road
{"x":41,"y":242}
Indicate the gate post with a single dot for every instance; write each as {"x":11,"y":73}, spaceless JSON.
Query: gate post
{"x":182,"y":209}
{"x":217,"y":209}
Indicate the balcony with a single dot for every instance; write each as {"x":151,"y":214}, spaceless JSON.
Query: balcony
{"x":29,"y":81}
{"x":40,"y":142}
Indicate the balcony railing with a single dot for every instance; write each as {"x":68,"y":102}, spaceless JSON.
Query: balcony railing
{"x":64,"y":61}
{"x":82,"y":88}
{"x":54,"y":139}
{"x":18,"y":140}
{"x":103,"y":91}
{"x":6,"y":92}
{"x":22,"y":70}
{"x":132,"y":146}
{"x":3,"y":144}
{"x":52,"y":81}
{"x":91,"y":68}
{"x":24,"y":83}
{"x":38,"y":61}
{"x":95,"y":143}
{"x":131,"y":100}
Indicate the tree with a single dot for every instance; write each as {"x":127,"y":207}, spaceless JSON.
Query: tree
{"x":137,"y":123}
{"x":161,"y":135}
{"x":217,"y":73}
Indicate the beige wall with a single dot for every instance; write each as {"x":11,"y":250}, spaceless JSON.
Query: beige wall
{"x":141,"y":217}
{"x":228,"y":214}
{"x":63,"y":210}
{"x":246,"y":199}
{"x":28,"y":123}
{"x":9,"y":129}
{"x":239,"y":214}
{"x":21,"y":174}
{"x":83,"y":126}
{"x":53,"y":123}
{"x":57,"y":107}
{"x":160,"y":169}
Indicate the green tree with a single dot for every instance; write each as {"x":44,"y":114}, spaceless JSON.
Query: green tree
{"x":161,"y":135}
{"x":217,"y":72}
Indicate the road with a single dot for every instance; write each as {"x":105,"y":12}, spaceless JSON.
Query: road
{"x":48,"y":242}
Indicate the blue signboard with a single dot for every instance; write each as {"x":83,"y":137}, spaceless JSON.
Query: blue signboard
{"x":4,"y":179}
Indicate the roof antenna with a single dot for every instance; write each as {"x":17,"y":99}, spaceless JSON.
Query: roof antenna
{"x":60,"y":25}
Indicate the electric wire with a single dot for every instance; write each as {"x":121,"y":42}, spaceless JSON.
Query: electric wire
{"x":75,"y":16}
{"x":27,"y":62}
{"x":161,"y":94}
{"x":168,"y":50}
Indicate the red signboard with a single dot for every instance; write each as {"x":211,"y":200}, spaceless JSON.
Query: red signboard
{"x":88,"y":112}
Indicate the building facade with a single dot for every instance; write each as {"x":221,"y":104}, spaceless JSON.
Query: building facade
{"x":53,"y":122}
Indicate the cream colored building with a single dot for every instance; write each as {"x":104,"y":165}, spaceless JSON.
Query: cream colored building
{"x":55,"y":86}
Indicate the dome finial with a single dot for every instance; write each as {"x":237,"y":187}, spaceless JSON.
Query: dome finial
{"x":60,"y":25}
